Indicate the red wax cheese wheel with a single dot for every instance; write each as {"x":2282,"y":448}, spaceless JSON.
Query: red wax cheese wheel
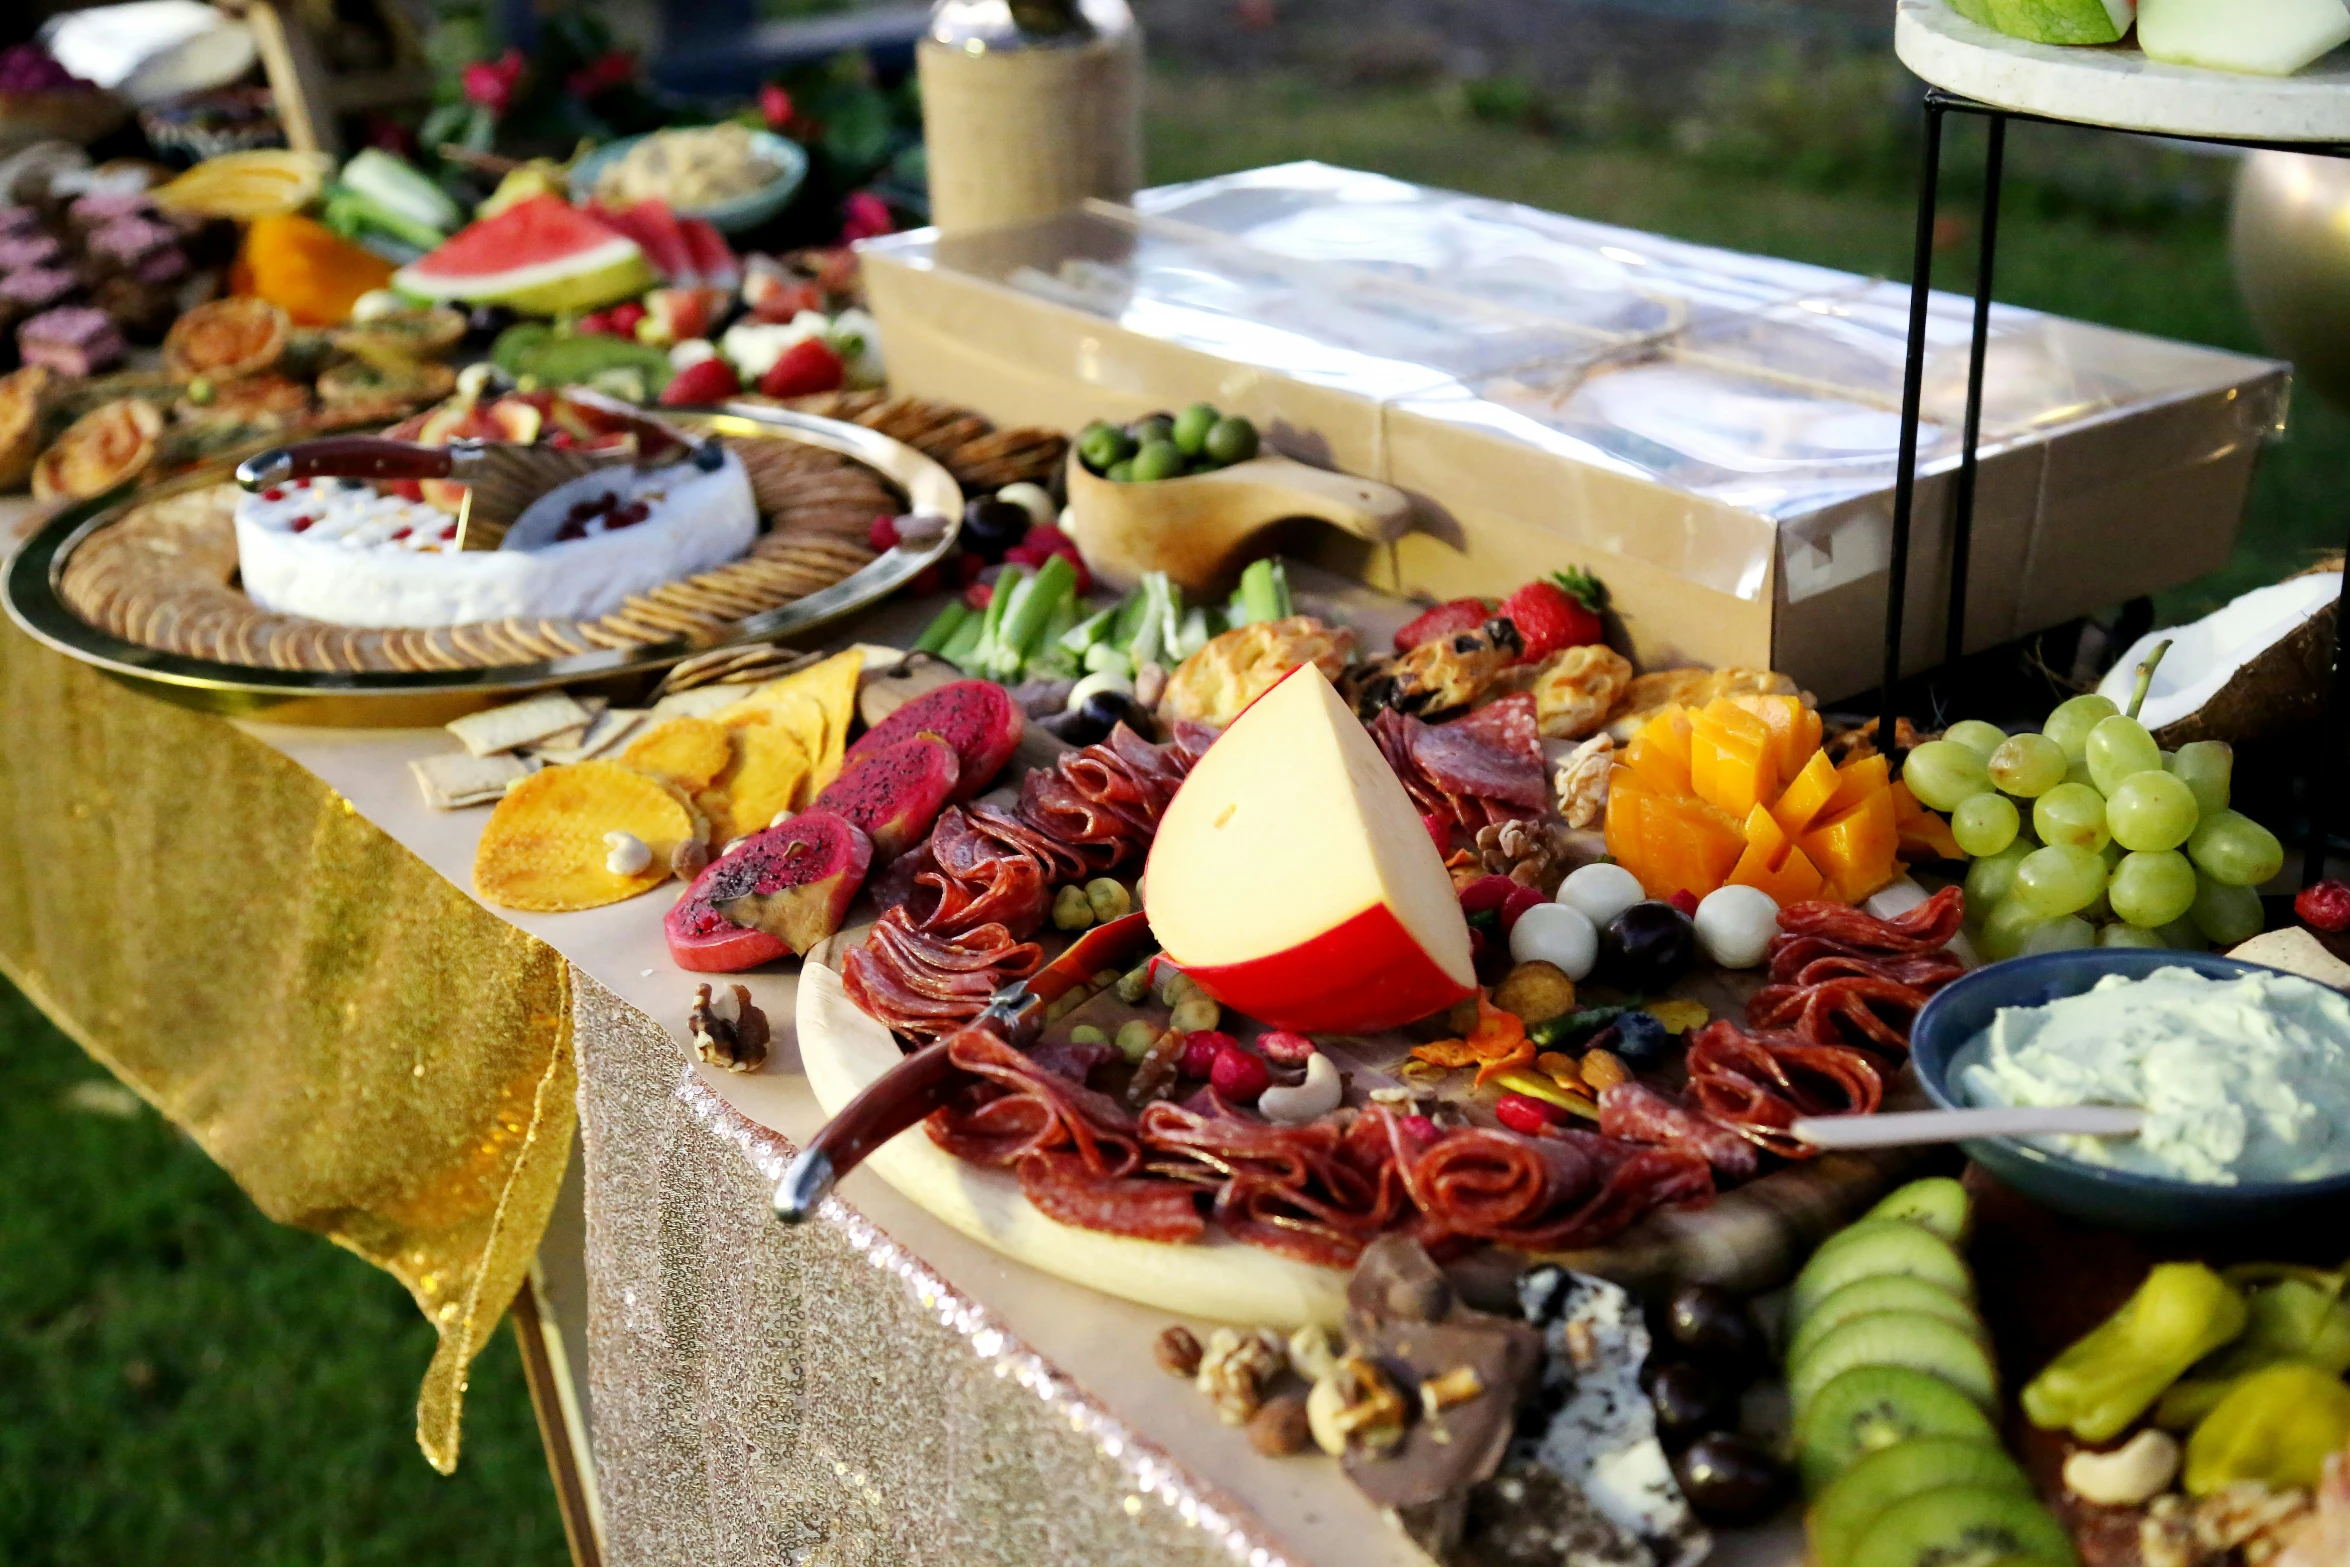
{"x":1292,"y":879}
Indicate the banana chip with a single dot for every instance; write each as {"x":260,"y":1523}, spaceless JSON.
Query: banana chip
{"x":832,"y":687}
{"x":768,"y":775}
{"x":689,"y":752}
{"x":262,"y":183}
{"x":544,"y":849}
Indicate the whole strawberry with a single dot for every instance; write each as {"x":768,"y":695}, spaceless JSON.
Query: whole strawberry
{"x":1444,"y":620}
{"x":2325,"y":906}
{"x":1561,"y":610}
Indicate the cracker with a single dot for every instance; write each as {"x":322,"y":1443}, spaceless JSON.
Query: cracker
{"x":700,"y":702}
{"x":518,"y":724}
{"x":689,"y":752}
{"x":543,"y":849}
{"x":609,"y":729}
{"x":832,"y":687}
{"x":453,"y":779}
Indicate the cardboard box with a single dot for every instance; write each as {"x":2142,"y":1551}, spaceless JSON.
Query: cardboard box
{"x":1713,"y":434}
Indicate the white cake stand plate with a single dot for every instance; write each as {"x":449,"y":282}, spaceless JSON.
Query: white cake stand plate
{"x":2119,"y":87}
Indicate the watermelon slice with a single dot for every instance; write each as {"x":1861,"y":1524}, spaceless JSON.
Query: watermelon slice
{"x":542,"y":256}
{"x":655,"y":230}
{"x":713,"y":258}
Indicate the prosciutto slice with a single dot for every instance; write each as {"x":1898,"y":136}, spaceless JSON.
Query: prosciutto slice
{"x":1759,"y":1084}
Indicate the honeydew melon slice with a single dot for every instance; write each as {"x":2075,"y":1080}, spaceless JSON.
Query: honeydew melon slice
{"x":542,"y":257}
{"x":2061,"y":21}
{"x":2271,"y":38}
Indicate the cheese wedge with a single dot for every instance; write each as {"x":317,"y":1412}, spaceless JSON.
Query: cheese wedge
{"x":1292,"y":879}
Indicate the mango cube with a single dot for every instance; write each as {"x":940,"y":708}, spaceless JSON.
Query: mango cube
{"x":1733,"y":761}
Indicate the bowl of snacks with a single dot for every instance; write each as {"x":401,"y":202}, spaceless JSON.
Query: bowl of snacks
{"x":1190,"y":493}
{"x":730,"y":176}
{"x":2242,"y":1071}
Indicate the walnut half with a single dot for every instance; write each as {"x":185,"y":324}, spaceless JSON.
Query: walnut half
{"x":729,"y":1029}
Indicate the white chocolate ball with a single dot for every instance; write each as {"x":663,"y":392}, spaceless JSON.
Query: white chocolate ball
{"x":1601,"y":892}
{"x":1735,"y":925}
{"x":1556,"y":933}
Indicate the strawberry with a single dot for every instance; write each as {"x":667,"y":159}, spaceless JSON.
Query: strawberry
{"x":1561,"y":610}
{"x":808,"y":366}
{"x":622,"y":318}
{"x":2325,"y":906}
{"x":1444,"y":620}
{"x":710,"y":381}
{"x":882,"y":537}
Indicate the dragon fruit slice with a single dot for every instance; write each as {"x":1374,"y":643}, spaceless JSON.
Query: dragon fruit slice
{"x":778,"y":891}
{"x":895,"y":792}
{"x":977,"y":717}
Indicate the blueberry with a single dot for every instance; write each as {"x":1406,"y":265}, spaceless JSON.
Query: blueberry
{"x":1640,"y":1042}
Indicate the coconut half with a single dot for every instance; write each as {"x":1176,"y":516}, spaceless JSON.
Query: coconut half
{"x":2256,"y":667}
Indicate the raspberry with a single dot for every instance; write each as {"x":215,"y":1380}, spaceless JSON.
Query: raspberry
{"x":2325,"y":906}
{"x":1518,"y":901}
{"x":882,"y":537}
{"x":1200,"y":1051}
{"x":1486,"y":892}
{"x":979,"y":595}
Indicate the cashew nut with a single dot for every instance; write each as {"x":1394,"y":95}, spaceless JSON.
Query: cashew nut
{"x":625,"y":853}
{"x":2140,"y":1468}
{"x":1310,"y":1100}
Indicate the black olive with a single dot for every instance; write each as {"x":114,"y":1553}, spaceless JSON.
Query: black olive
{"x":1690,"y":1401}
{"x":1731,"y":1479}
{"x":484,"y":322}
{"x":991,"y":527}
{"x":1106,"y":710}
{"x":1647,"y":947}
{"x":1712,"y":1326}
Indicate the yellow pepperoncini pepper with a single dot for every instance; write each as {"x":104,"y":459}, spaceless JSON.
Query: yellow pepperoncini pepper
{"x":2296,"y":1314}
{"x":2095,"y":1389}
{"x":2277,"y":1426}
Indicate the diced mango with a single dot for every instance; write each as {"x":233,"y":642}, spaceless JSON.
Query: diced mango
{"x":1921,"y":834}
{"x":1793,"y":880}
{"x":1854,"y":848}
{"x":1733,"y":760}
{"x":1671,"y":842}
{"x":1795,"y":729}
{"x":1857,"y":778}
{"x":1659,"y":752}
{"x":1806,"y":798}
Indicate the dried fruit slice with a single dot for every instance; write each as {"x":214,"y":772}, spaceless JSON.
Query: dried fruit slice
{"x":688,"y":752}
{"x":544,"y":850}
{"x":109,"y":444}
{"x":766,"y":776}
{"x":832,"y":688}
{"x":894,"y":793}
{"x":977,"y":717}
{"x":780,"y":890}
{"x":266,"y":182}
{"x":226,"y":338}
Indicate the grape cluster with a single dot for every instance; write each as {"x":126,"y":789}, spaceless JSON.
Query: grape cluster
{"x":2090,"y":834}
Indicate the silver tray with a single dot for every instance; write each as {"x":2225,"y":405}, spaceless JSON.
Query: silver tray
{"x":30,"y":587}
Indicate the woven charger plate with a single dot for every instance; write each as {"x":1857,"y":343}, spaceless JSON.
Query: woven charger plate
{"x":163,"y":575}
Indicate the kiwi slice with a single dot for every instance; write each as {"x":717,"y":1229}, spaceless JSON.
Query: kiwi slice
{"x":1961,"y":1525}
{"x":1872,"y":1407}
{"x":1872,"y":1247}
{"x":1939,"y":1203}
{"x":1897,"y":1338}
{"x":1885,"y":1292}
{"x":1895,"y":1474}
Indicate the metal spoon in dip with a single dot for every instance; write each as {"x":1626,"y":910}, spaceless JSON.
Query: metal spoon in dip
{"x":1906,"y":1128}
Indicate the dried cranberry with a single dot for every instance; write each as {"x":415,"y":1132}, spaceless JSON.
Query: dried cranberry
{"x":1239,"y":1075}
{"x":561,"y":440}
{"x":1525,"y":1113}
{"x":401,"y":533}
{"x":273,"y":495}
{"x":630,"y":515}
{"x":1685,"y":901}
{"x":1417,"y":1127}
{"x":2325,"y":906}
{"x":979,"y":595}
{"x":570,"y":531}
{"x":301,"y":524}
{"x":1440,"y":829}
{"x":1486,"y":892}
{"x":968,"y":566}
{"x":1285,"y":1047}
{"x":928,"y":580}
{"x":1200,"y":1051}
{"x":882,"y":537}
{"x":1518,"y":902}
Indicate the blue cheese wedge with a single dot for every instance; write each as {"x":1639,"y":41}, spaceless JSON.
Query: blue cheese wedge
{"x":1602,"y":1439}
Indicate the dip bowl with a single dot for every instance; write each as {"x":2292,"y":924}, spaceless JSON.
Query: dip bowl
{"x":2125,"y":1199}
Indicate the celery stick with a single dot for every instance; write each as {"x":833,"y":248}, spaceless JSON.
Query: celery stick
{"x":1171,"y":608}
{"x":1091,"y":632}
{"x":1007,"y":583}
{"x":1283,"y":605}
{"x":1194,"y":635}
{"x":960,"y":647}
{"x":1151,"y":625}
{"x":1105,"y":657}
{"x":1022,"y":632}
{"x":949,"y":621}
{"x":1263,"y":590}
{"x":1131,"y":611}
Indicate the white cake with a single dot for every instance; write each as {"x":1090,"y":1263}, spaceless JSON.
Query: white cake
{"x":340,"y":550}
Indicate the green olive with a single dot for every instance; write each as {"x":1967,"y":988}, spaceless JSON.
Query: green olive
{"x":1157,"y":460}
{"x":1232,"y":440}
{"x":1192,"y":427}
{"x":1120,"y":472}
{"x":1103,"y":446}
{"x":1158,"y":427}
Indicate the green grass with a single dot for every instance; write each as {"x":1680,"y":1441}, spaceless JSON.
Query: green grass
{"x":2171,"y":280}
{"x":183,"y":1382}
